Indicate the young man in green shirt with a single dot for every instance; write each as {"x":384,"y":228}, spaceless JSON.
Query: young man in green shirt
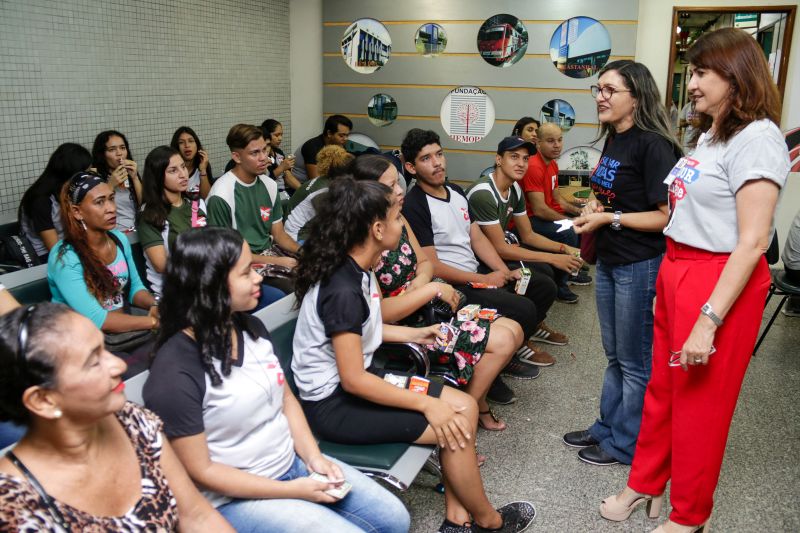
{"x":496,"y":199}
{"x":247,"y":200}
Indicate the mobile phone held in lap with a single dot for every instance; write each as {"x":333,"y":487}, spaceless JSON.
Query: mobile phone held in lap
{"x":337,"y":492}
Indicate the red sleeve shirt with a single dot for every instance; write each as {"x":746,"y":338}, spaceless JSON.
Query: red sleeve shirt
{"x":541,"y":178}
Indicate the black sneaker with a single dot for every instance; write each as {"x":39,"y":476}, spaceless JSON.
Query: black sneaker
{"x":581,"y":278}
{"x":449,"y":527}
{"x":517,"y":516}
{"x":580,"y":439}
{"x":518,"y":370}
{"x":500,"y":393}
{"x":564,"y":295}
{"x":594,"y":455}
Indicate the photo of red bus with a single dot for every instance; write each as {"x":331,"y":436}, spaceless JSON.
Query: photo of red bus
{"x":502,"y":40}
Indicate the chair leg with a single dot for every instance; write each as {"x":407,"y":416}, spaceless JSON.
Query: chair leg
{"x":769,"y":324}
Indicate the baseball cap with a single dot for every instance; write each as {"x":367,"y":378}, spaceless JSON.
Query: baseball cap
{"x":512,"y":143}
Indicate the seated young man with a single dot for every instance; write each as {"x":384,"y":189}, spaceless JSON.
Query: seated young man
{"x":247,"y":200}
{"x":545,"y":203}
{"x":493,"y":199}
{"x":336,"y":131}
{"x":438,"y":213}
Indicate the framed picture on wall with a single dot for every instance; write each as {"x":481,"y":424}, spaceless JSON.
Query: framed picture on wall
{"x":366,"y":46}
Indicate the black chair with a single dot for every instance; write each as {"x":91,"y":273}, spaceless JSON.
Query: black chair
{"x":781,"y":286}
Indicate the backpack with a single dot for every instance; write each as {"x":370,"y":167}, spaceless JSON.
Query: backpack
{"x":16,"y":253}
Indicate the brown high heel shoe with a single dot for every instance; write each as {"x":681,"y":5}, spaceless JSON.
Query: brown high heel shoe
{"x":702,"y":528}
{"x":616,"y":511}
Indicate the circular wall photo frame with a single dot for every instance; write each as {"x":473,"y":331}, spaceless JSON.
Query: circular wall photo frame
{"x":502,"y":40}
{"x":580,"y":47}
{"x":579,"y":158}
{"x":559,"y":112}
{"x":430,"y":40}
{"x":467,"y":114}
{"x":382,"y":110}
{"x":366,"y":46}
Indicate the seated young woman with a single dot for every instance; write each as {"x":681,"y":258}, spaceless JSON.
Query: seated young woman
{"x":113,"y":160}
{"x":338,"y":330}
{"x":405,"y":277}
{"x":228,"y":412}
{"x":166,"y":211}
{"x":332,"y":161}
{"x":39,"y":213}
{"x":92,"y":269}
{"x":186,"y":141}
{"x":280,"y":167}
{"x":88,"y":461}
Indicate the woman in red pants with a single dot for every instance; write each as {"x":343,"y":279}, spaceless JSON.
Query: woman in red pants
{"x":713,"y":281}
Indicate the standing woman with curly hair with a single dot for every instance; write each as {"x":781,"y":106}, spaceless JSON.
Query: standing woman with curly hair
{"x":338,"y":330}
{"x":113,"y":160}
{"x":167,"y":209}
{"x":229,"y":413}
{"x":92,"y":268}
{"x":713,"y":281}
{"x":186,"y":141}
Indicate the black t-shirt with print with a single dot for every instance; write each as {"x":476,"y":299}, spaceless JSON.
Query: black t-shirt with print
{"x":630,"y":178}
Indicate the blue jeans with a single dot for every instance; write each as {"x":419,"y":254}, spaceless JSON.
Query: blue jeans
{"x":625,"y":308}
{"x":269,"y":295}
{"x":368,"y":507}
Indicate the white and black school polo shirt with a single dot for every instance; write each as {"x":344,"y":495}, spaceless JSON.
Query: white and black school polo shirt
{"x":242,"y":419}
{"x":349,"y":301}
{"x":444,"y":224}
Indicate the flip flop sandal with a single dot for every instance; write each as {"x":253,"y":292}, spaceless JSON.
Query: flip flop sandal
{"x":494,"y":417}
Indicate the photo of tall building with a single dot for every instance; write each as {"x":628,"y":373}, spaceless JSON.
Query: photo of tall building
{"x":430,"y":40}
{"x":366,"y":46}
{"x":382,"y":109}
{"x":580,"y":47}
{"x":558,"y":112}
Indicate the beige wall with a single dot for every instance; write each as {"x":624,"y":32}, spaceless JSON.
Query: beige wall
{"x":652,"y":49}
{"x":305,"y":57}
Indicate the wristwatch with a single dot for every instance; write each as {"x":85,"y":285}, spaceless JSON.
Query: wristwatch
{"x":709,"y":312}
{"x":615,"y":224}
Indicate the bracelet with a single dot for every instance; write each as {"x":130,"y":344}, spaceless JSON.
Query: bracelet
{"x":204,"y":175}
{"x":438,"y":291}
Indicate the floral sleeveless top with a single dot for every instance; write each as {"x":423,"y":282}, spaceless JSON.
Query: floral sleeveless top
{"x":395,"y":270}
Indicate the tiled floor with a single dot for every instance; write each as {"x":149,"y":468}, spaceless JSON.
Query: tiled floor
{"x":759,"y":489}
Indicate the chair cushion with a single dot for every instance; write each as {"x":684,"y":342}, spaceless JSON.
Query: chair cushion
{"x":376,"y":456}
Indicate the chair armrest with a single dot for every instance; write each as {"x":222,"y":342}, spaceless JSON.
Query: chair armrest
{"x":511,"y":238}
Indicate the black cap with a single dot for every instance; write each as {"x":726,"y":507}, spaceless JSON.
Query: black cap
{"x":512,"y":143}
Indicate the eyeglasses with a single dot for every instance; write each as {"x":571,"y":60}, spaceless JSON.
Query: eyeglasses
{"x":675,"y":357}
{"x":607,"y":91}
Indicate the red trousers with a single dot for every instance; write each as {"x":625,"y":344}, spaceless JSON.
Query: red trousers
{"x":687,"y":414}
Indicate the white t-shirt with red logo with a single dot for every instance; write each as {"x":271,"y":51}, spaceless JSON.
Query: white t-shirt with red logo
{"x":703,"y":184}
{"x":443,"y":223}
